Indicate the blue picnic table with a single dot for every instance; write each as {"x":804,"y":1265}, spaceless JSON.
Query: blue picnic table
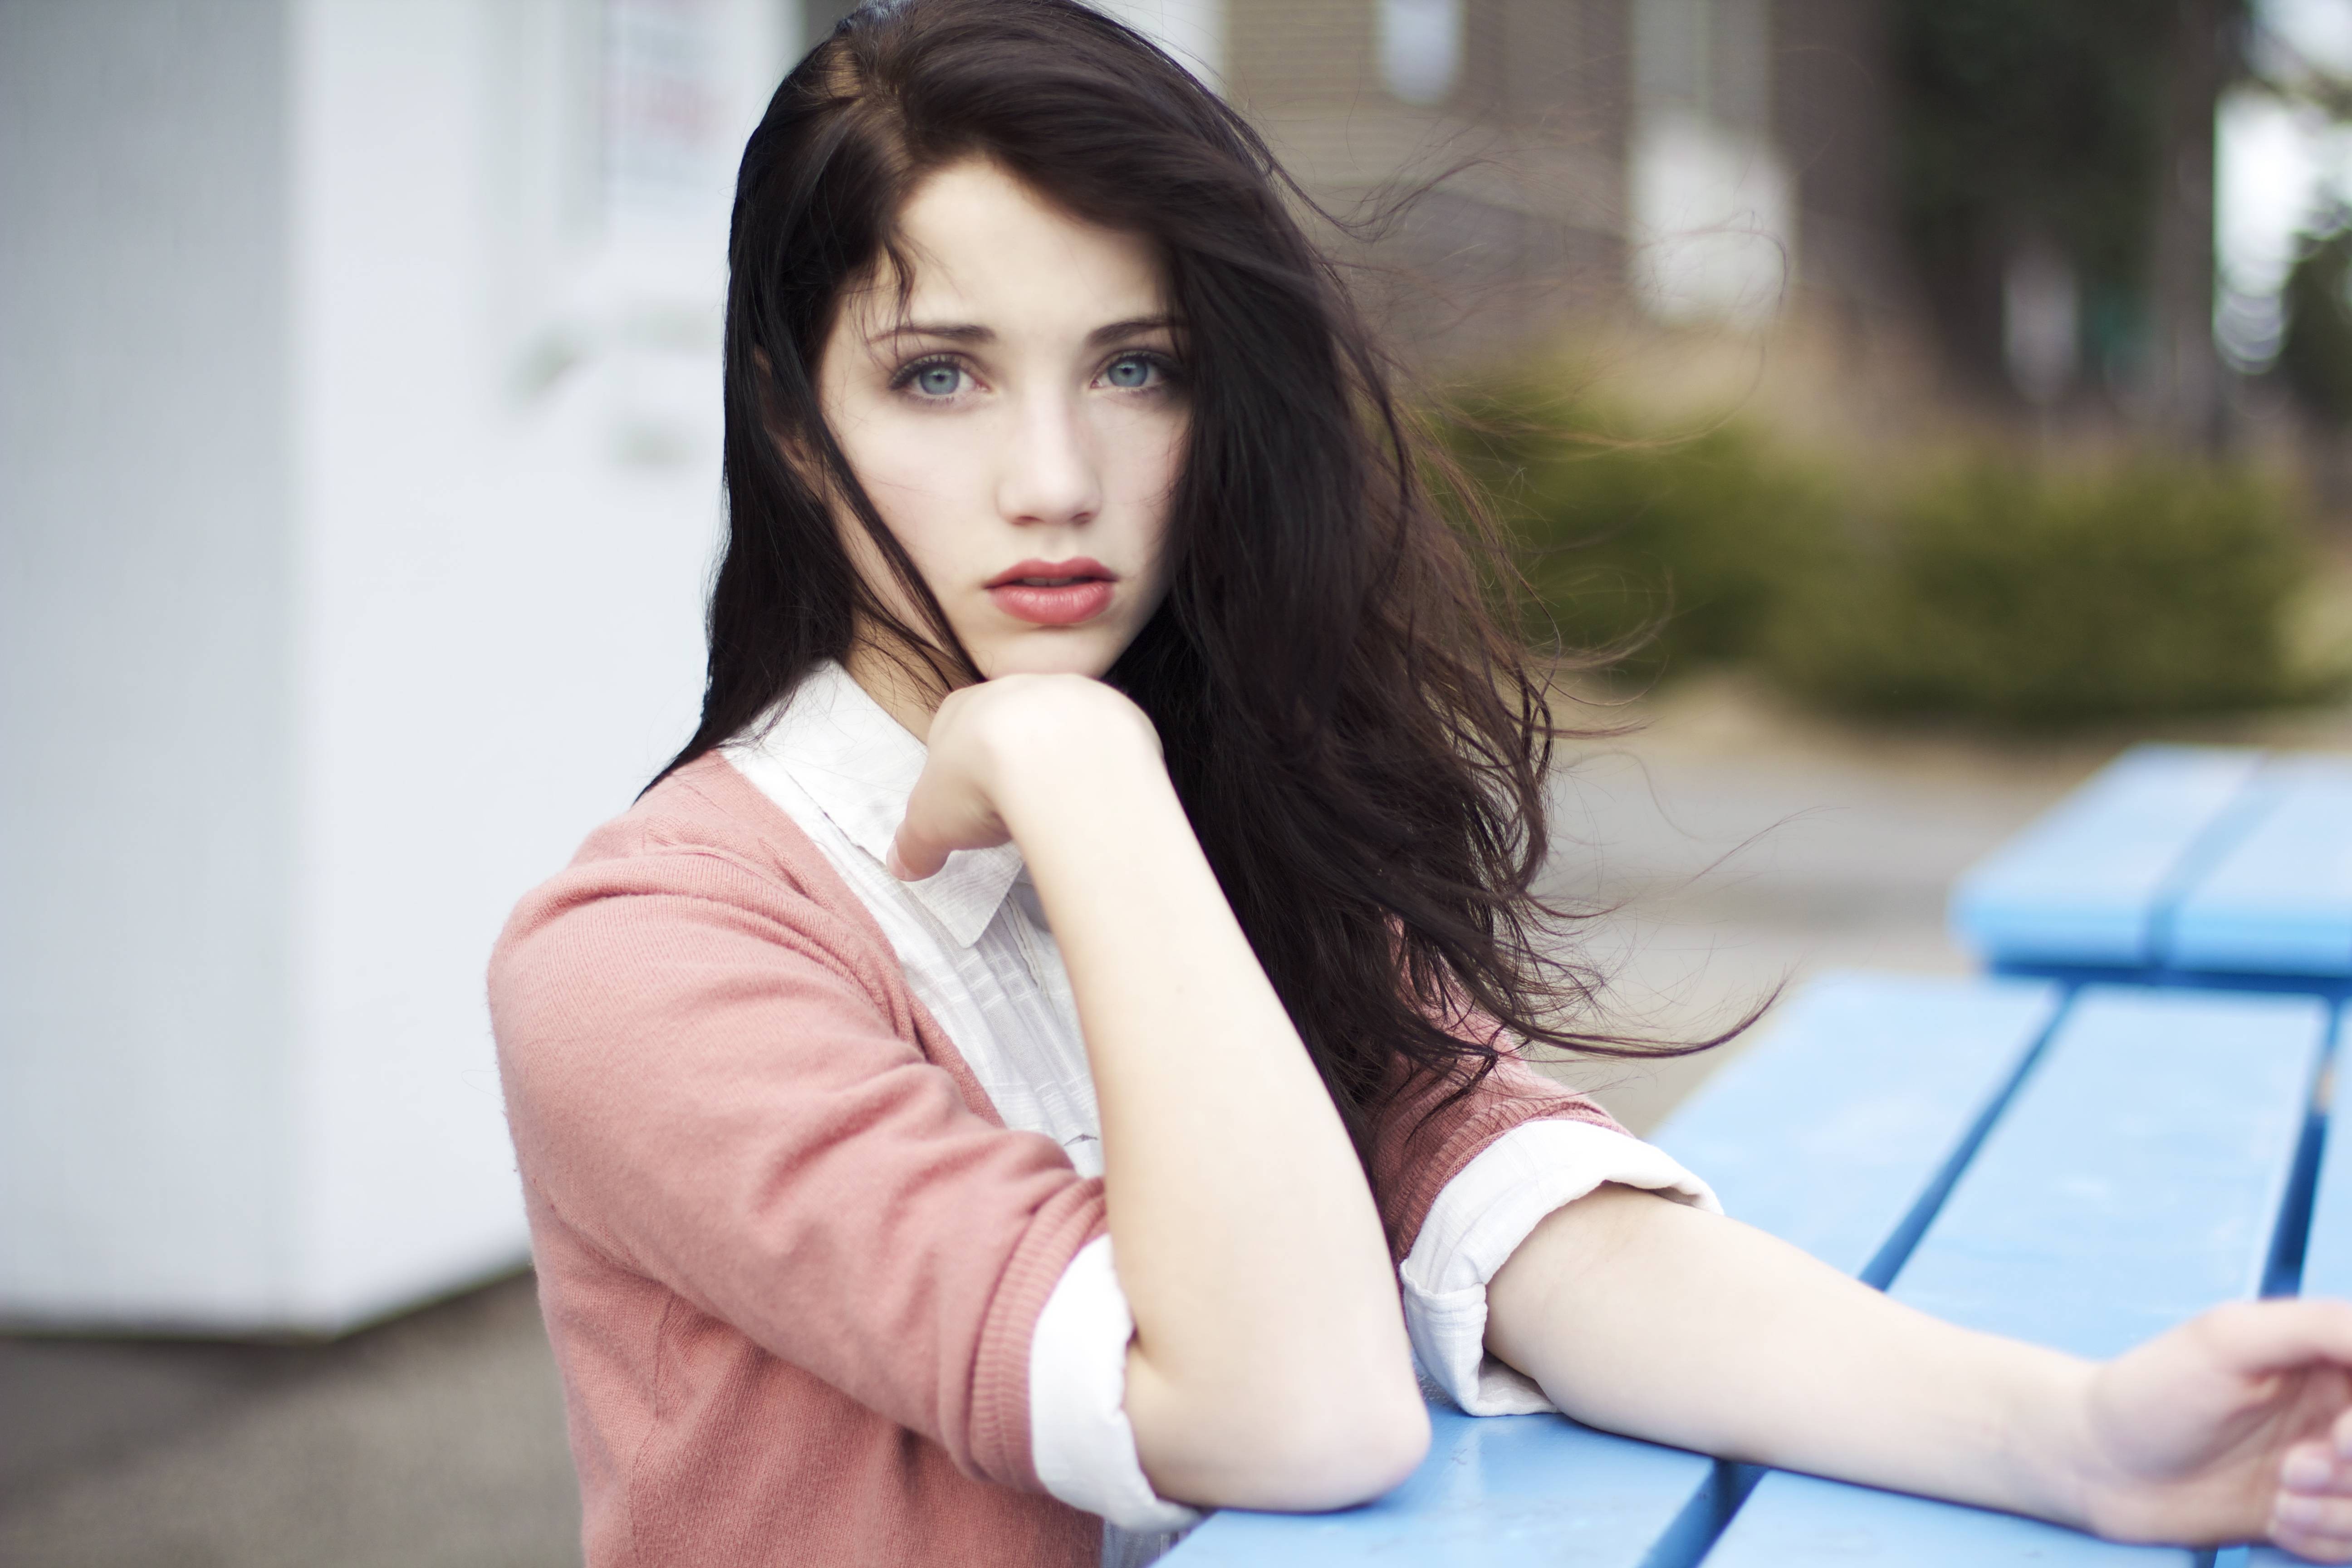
{"x":2121,"y":1126}
{"x":2211,"y":867}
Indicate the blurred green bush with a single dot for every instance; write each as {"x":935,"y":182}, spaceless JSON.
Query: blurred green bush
{"x":1997,"y":587}
{"x":1671,"y":550}
{"x":1998,"y":590}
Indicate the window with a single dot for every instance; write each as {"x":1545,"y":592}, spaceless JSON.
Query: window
{"x":1420,"y":48}
{"x":1713,"y":233}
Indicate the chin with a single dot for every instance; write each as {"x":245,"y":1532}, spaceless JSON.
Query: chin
{"x":1086,"y":651}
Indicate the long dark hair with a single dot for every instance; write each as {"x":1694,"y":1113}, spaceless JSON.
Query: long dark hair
{"x":1361,"y":747}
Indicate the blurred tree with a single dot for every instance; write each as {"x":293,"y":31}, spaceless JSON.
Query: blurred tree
{"x":2315,"y":356}
{"x":2181,"y":388}
{"x":2083,"y":127}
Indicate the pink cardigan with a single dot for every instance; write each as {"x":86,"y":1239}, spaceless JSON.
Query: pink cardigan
{"x":790,"y":1259}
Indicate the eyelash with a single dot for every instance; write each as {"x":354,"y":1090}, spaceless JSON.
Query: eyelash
{"x":1170,"y":372}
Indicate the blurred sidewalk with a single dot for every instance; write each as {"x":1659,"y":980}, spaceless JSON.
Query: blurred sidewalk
{"x":1750,"y":843}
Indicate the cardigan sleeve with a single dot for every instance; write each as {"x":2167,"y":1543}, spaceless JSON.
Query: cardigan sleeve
{"x":1478,"y":1221}
{"x":709,"y":1082}
{"x":1083,"y":1441}
{"x":1463,"y":1176}
{"x":1433,"y":1127}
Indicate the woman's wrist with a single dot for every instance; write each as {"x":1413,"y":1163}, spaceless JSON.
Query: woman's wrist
{"x":1063,"y":750}
{"x":2050,"y":1453}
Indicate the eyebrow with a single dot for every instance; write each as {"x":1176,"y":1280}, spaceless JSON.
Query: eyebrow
{"x":1135,"y":327}
{"x":970,"y":332}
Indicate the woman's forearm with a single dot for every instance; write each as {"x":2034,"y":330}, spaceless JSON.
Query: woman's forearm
{"x":1649,"y":1318}
{"x":1270,"y":1366}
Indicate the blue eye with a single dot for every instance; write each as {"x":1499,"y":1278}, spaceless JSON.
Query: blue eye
{"x":1130,"y":372}
{"x":939,"y":380}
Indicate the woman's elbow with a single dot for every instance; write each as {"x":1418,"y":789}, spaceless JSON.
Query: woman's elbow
{"x":1367,"y":1455}
{"x":1301,"y":1455}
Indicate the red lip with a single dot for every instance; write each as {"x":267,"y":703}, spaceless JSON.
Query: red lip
{"x":1076,"y":566}
{"x":1054,"y":592}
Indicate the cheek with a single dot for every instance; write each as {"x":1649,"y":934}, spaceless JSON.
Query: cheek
{"x":894,"y":458}
{"x":1149,"y":462}
{"x":1151,"y":441}
{"x":921,"y":480}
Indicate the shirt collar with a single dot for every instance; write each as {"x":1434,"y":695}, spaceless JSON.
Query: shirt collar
{"x":860,"y":765}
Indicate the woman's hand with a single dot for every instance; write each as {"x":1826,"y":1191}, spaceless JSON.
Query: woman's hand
{"x":2234,"y":1426}
{"x":987,"y":742}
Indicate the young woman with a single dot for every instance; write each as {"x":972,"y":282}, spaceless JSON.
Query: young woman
{"x":1043,"y":1060}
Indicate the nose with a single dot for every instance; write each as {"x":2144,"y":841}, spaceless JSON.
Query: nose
{"x":1050,"y":475}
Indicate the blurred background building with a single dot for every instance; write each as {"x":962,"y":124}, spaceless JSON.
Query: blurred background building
{"x":359,"y":433}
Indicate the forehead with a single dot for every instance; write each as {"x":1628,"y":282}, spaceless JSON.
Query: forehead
{"x":988,"y":250}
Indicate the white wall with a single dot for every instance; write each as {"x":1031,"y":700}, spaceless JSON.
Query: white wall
{"x":344,"y":591}
{"x":147,"y":696}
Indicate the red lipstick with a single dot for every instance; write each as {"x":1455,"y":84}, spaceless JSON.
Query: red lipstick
{"x":1054,"y":592}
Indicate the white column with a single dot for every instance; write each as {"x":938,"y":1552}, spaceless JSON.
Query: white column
{"x":345,"y":590}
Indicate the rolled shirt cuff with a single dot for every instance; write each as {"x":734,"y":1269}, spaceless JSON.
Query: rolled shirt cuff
{"x":1480,"y":1218}
{"x":1079,"y":1437}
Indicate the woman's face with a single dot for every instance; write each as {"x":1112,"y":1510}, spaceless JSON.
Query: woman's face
{"x":1019,"y":427}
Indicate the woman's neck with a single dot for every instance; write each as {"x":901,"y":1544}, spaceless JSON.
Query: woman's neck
{"x":899,"y":684}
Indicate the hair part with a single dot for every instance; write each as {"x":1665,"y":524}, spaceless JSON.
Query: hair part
{"x":1361,"y":746}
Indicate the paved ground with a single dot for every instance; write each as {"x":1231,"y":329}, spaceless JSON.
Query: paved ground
{"x":1744,"y":844}
{"x":435,"y":1441}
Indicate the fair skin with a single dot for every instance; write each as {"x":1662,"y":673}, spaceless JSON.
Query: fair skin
{"x":1037,"y":419}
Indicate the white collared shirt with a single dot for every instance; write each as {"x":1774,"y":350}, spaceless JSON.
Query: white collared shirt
{"x":977,"y":952}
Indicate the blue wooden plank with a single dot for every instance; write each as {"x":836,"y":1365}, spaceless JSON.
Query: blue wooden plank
{"x":2136,"y":1180}
{"x":1829,"y":1131}
{"x":1802,"y":1522}
{"x":2328,"y":1253}
{"x":2082,"y":885}
{"x":2326,"y":1271}
{"x":2279,"y":902}
{"x":2326,"y":1258}
{"x":1504,"y":1491}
